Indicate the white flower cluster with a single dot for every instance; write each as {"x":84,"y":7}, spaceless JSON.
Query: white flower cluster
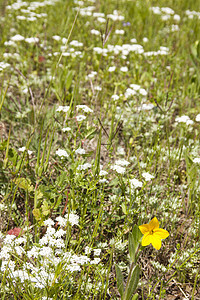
{"x":123,"y":50}
{"x":38,"y":264}
{"x":120,"y":165}
{"x":166,"y":13}
{"x":191,"y":14}
{"x":135,"y":89}
{"x":184,"y":119}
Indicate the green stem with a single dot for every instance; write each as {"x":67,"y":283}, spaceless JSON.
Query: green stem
{"x":128,"y":280}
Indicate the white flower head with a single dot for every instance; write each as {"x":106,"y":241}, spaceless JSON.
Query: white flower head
{"x":111,"y":69}
{"x":103,"y":173}
{"x":80,"y":118}
{"x":184,"y":119}
{"x":63,"y":108}
{"x":135,"y":183}
{"x":61,"y":221}
{"x":72,"y":218}
{"x":49,"y":222}
{"x":147,"y":176}
{"x":124,"y":69}
{"x":118,"y":169}
{"x":85,"y":108}
{"x":197,"y":118}
{"x":196,"y":160}
{"x":17,"y":38}
{"x":22,"y":149}
{"x":80,"y":151}
{"x":32,"y":40}
{"x":62,"y":153}
{"x":65,"y":129}
{"x":97,"y":252}
{"x":84,"y":167}
{"x":115,"y":97}
{"x":122,"y":162}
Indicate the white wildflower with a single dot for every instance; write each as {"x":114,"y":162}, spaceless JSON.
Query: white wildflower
{"x":196,"y":160}
{"x":62,"y":153}
{"x":84,"y":166}
{"x":147,"y":176}
{"x":135,"y":183}
{"x":80,"y":118}
{"x":122,"y":162}
{"x":80,"y":151}
{"x":119,"y":169}
{"x":22,"y":149}
{"x":111,"y":69}
{"x":63,"y":108}
{"x":65,"y":129}
{"x":124,"y":69}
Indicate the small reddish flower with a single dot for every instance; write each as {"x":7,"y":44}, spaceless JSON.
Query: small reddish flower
{"x":15,"y":231}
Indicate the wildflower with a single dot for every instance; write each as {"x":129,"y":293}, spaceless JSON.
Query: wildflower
{"x":122,"y":162}
{"x":80,"y":118}
{"x":80,"y":151}
{"x":135,"y":183}
{"x":63,"y":108}
{"x":84,"y":166}
{"x":95,"y":32}
{"x":66,"y":129}
{"x":73,"y":219}
{"x":119,"y":31}
{"x":85,"y":108}
{"x":145,"y":39}
{"x":17,"y":38}
{"x":49,"y":222}
{"x":196,"y":160}
{"x":115,"y":97}
{"x":111,"y":69}
{"x":22,"y":149}
{"x":153,"y":234}
{"x":95,"y":261}
{"x":102,"y":173}
{"x":124,"y":69}
{"x":184,"y":119}
{"x":118,"y":169}
{"x":147,"y":176}
{"x":62,"y":153}
{"x":32,"y":40}
{"x":97,"y":252}
{"x":198,"y":118}
{"x":133,"y":40}
{"x":56,"y":37}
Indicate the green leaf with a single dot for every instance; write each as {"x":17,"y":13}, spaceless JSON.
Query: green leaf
{"x":24,"y":184}
{"x":198,"y":49}
{"x":120,"y":280}
{"x":124,"y":208}
{"x":69,"y":80}
{"x":45,"y":208}
{"x":132,"y":244}
{"x":135,"y":297}
{"x":133,"y":283}
{"x":37,"y":214}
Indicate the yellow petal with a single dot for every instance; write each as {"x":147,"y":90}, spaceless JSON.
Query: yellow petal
{"x":154,"y":224}
{"x":144,"y":228}
{"x":156,"y":242}
{"x":161,"y":233}
{"x":147,"y":239}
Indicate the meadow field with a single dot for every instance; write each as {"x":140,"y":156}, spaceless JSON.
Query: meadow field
{"x":99,"y":149}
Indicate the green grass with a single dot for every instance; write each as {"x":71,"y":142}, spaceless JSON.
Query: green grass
{"x":37,"y":78}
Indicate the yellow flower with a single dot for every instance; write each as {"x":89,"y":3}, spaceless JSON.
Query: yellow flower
{"x":153,"y":234}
